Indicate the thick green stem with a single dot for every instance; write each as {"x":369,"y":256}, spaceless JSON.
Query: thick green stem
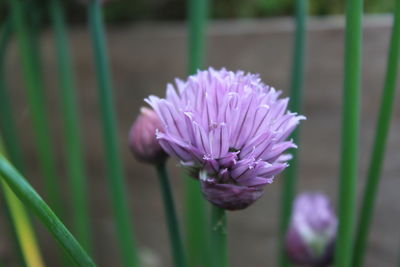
{"x":219,"y":237}
{"x":34,"y":86}
{"x":296,"y":92}
{"x":350,"y":132}
{"x":172,"y":219}
{"x":34,"y":202}
{"x":196,"y":222}
{"x":73,"y":145}
{"x":123,"y":224}
{"x":381,"y":134}
{"x":197,"y":20}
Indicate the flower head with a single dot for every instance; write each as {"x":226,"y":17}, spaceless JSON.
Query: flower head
{"x":142,"y":137}
{"x":312,"y":231}
{"x":229,"y":130}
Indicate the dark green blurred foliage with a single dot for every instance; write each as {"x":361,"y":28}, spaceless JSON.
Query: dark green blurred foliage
{"x":136,"y":10}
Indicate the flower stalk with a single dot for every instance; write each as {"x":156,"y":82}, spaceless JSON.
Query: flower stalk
{"x":195,"y":211}
{"x":219,"y":237}
{"x":197,"y":22}
{"x":381,"y":135}
{"x":296,"y":92}
{"x":350,"y":132}
{"x":123,"y":224}
{"x":172,"y":219}
{"x":73,"y":146}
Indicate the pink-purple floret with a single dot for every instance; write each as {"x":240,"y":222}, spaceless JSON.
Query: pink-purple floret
{"x":230,"y":130}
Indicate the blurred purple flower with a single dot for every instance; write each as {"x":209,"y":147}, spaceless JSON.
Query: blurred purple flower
{"x":312,"y":231}
{"x":142,"y":138}
{"x":229,"y":130}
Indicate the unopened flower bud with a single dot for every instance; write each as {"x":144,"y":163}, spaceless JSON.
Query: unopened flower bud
{"x":312,"y":231}
{"x":142,"y":138}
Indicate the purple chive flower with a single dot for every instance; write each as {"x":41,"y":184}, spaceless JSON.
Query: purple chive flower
{"x":142,"y":138}
{"x":229,"y":130}
{"x":312,"y":231}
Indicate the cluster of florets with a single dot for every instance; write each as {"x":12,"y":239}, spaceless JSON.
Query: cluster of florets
{"x":229,"y":130}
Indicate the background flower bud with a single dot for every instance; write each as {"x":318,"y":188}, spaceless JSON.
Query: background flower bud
{"x":142,"y":137}
{"x":312,"y":231}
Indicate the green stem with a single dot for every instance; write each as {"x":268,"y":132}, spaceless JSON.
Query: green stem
{"x":115,"y":174}
{"x":196,"y":222}
{"x":34,"y":86}
{"x":350,"y":132}
{"x":34,"y":202}
{"x":73,"y":145}
{"x":381,"y":134}
{"x":296,"y":92}
{"x":172,"y":219}
{"x":219,"y":237}
{"x":197,"y":16}
{"x":7,"y":124}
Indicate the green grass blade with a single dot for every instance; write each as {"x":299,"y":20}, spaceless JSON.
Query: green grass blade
{"x":34,"y":86}
{"x":195,"y":210}
{"x":28,"y":196}
{"x":381,"y":134}
{"x":123,"y":224}
{"x":296,"y":88}
{"x":73,"y":145}
{"x":350,"y":133}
